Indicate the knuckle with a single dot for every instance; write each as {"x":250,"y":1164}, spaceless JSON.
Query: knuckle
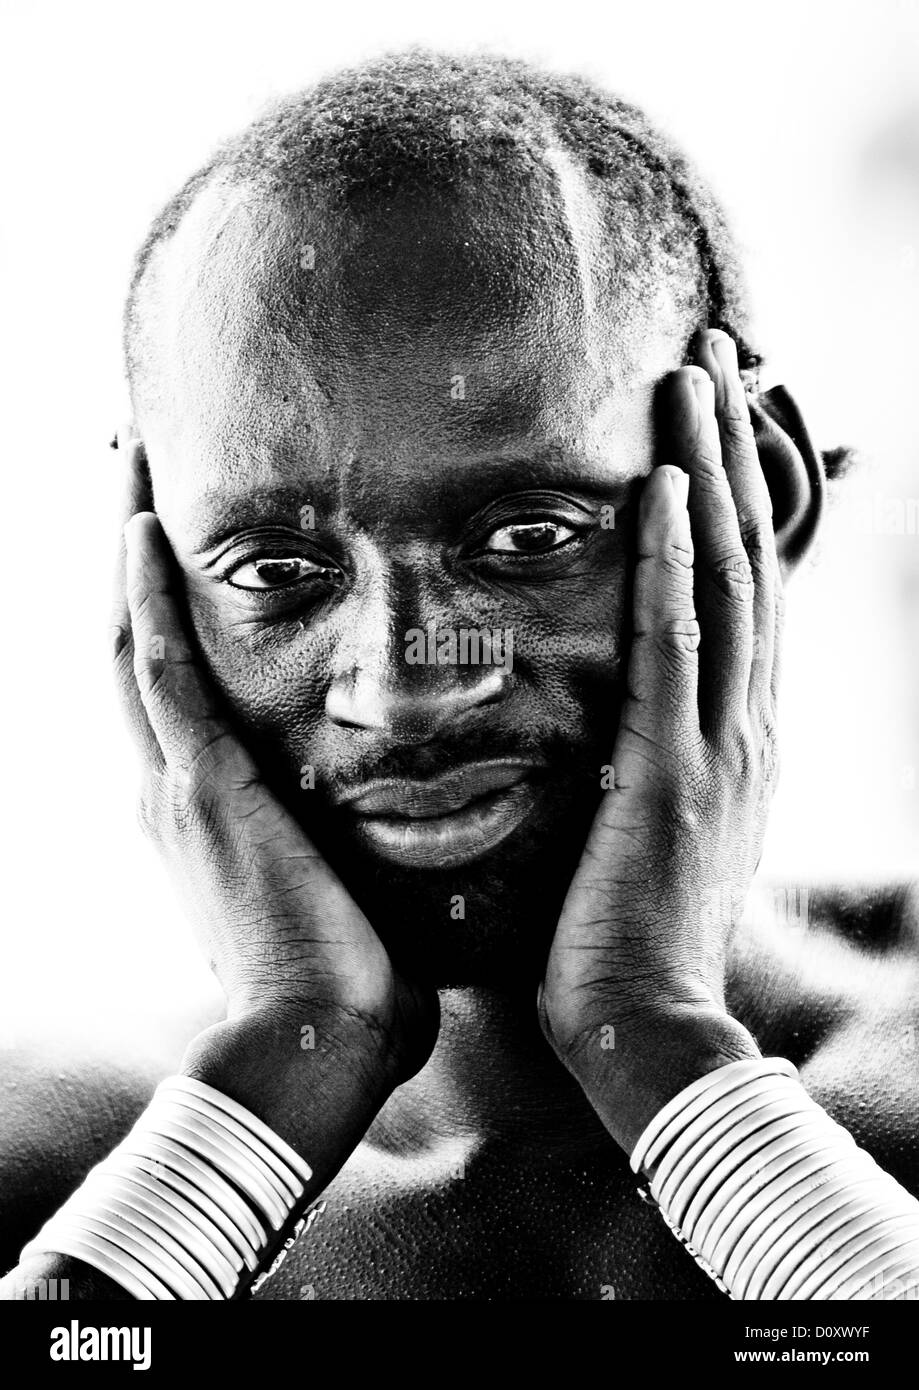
{"x":733,"y":576}
{"x":779,"y":599}
{"x":122,"y":645}
{"x":685,"y":814}
{"x":178,"y":786}
{"x":143,"y":609}
{"x":149,"y":814}
{"x":737,"y":753}
{"x":678,"y":561}
{"x":194,"y":796}
{"x":171,"y":805}
{"x":770,"y":758}
{"x":755,"y":543}
{"x":683,"y":819}
{"x":707,"y":464}
{"x":186,"y":794}
{"x":150,"y":674}
{"x":678,"y":637}
{"x":124,"y":670}
{"x":759,"y":543}
{"x":673,"y":581}
{"x":736,"y":426}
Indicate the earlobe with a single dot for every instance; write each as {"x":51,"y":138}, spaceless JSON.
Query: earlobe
{"x":794,"y":473}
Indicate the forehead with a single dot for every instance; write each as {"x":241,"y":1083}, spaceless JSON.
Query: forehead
{"x":293,"y":340}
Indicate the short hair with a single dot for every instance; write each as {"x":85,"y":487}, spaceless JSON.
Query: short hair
{"x":419,"y":120}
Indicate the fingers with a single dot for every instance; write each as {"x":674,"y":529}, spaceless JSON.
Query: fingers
{"x":167,"y":699}
{"x":724,"y":587}
{"x":135,"y":497}
{"x":193,"y":737}
{"x":716,"y":353}
{"x":662,"y":698}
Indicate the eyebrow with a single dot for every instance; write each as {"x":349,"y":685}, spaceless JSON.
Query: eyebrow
{"x":220,"y":514}
{"x":217,"y":515}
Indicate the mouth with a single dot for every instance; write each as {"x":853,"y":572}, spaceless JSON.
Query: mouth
{"x":442,"y":822}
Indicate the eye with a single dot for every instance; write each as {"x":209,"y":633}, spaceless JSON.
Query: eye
{"x":275,"y":572}
{"x":529,"y":538}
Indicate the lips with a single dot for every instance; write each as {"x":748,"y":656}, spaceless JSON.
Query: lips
{"x":444,"y":821}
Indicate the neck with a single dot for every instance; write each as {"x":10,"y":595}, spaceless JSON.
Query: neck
{"x":492,"y":1084}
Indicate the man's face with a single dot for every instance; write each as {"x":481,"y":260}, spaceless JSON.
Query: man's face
{"x":432,"y":415}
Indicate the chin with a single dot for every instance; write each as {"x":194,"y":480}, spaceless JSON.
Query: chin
{"x":486,"y":923}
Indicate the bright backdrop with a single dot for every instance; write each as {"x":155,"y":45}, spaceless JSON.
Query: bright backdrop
{"x":805,"y":116}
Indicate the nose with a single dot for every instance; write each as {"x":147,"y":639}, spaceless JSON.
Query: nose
{"x":379,"y":687}
{"x":411,"y":716}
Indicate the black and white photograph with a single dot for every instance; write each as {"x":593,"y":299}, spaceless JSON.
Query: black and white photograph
{"x":461,"y":673}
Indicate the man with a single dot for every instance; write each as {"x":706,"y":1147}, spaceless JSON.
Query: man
{"x":439,"y":348}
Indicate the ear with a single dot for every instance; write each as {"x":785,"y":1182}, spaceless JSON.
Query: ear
{"x":794,"y":473}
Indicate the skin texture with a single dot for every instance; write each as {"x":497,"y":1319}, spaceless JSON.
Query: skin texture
{"x":495,"y":1164}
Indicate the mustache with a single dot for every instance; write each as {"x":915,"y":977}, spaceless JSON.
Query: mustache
{"x":550,"y":753}
{"x":567,"y":755}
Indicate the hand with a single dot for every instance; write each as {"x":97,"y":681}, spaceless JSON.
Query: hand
{"x":287,"y":943}
{"x":633,"y":998}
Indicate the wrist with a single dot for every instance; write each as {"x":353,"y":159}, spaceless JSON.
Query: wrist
{"x":630,"y":1076}
{"x":316,"y":1081}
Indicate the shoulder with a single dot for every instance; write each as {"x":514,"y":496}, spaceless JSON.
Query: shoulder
{"x":877,"y":917}
{"x":818,"y":950}
{"x":64,"y":1105}
{"x":828,"y":976}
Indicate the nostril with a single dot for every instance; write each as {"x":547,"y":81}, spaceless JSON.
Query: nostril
{"x":353,"y":703}
{"x":412,"y":715}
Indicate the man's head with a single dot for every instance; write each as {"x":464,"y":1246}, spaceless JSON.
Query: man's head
{"x":393,"y":355}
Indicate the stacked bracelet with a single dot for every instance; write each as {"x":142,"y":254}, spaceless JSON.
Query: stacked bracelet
{"x":772,"y":1198}
{"x":182,"y":1208}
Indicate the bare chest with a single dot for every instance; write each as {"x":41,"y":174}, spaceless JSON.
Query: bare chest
{"x":486,"y":1236}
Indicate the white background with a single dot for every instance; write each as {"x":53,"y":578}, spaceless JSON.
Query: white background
{"x":806,"y":118}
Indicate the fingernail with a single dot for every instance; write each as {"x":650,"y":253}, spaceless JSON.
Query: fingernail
{"x":679,"y":481}
{"x":704,"y":388}
{"x":724,"y":350}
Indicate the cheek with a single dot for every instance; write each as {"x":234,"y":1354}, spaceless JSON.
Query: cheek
{"x":578,"y":633}
{"x":274,"y":679}
{"x":570,"y":652}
